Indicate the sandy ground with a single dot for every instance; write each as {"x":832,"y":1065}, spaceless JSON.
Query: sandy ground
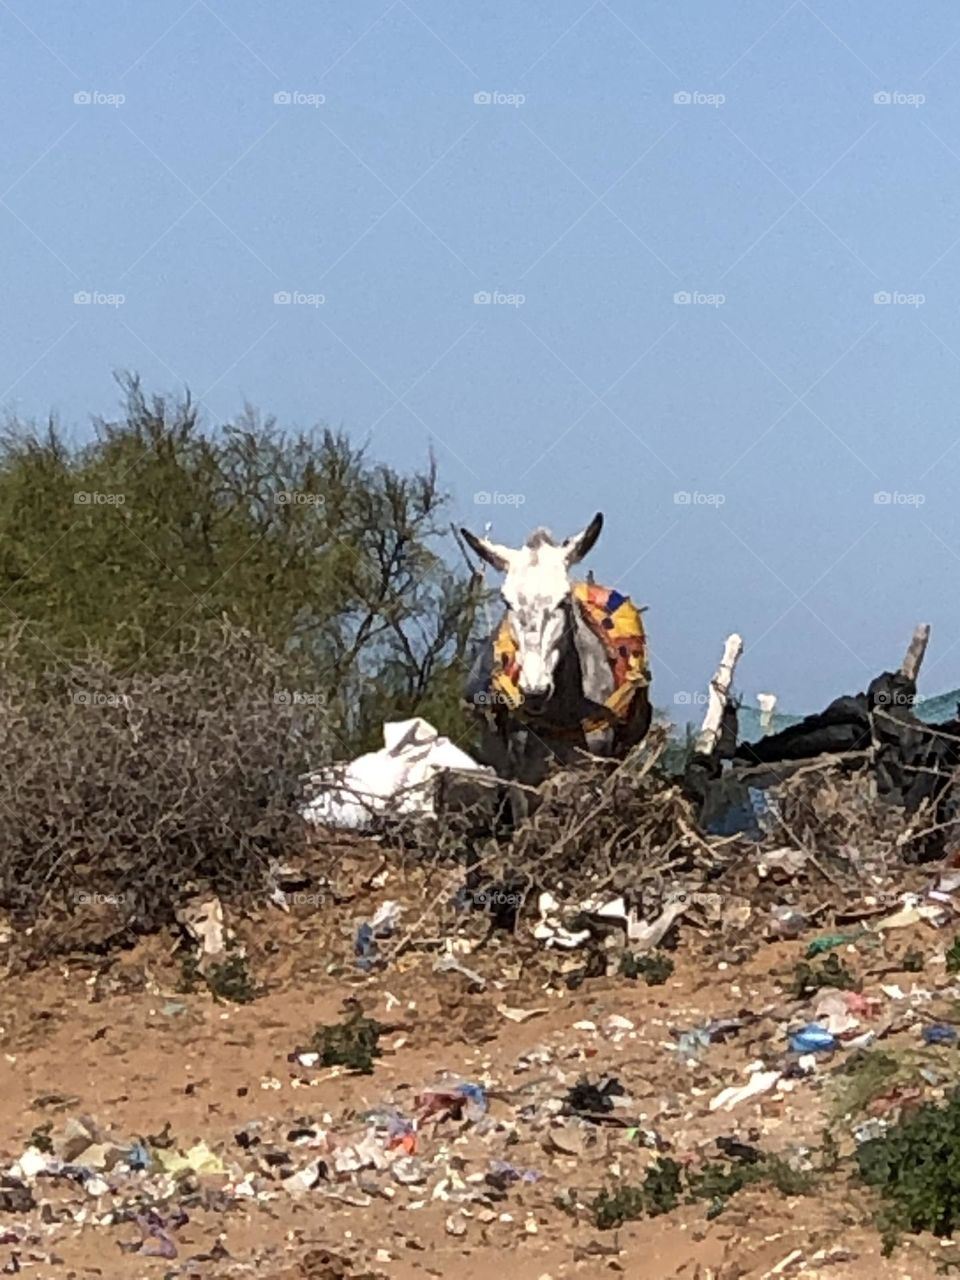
{"x":112,"y":1039}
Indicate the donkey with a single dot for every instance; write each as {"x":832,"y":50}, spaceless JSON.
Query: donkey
{"x":565,"y":675}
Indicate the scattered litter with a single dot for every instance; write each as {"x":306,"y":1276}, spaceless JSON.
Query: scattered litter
{"x":937,"y":1033}
{"x":520,"y":1015}
{"x":382,"y":926}
{"x":812,"y":1039}
{"x":400,"y":779}
{"x":760,"y":1082}
{"x":820,"y":946}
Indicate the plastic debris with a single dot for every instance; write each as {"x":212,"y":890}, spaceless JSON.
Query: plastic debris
{"x":399,"y":779}
{"x":830,"y":941}
{"x":812,"y":1039}
{"x":382,"y":926}
{"x":937,"y":1033}
{"x":787,"y":922}
{"x":197,"y":1159}
{"x":760,"y":1082}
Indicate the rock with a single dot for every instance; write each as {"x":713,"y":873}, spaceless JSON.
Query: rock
{"x":570,"y":1140}
{"x":78,"y":1133}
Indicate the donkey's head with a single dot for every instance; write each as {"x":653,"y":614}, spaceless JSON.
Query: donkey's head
{"x":536,"y":592}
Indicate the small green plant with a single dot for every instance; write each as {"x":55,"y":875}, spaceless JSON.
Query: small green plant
{"x":352,"y":1043}
{"x":912,"y":961}
{"x":830,"y":972}
{"x":660,"y":1192}
{"x":866,"y":1075}
{"x":667,"y":1183}
{"x":229,"y":979}
{"x":655,"y":969}
{"x":40,"y":1138}
{"x":915,"y":1168}
{"x":189,"y":974}
{"x":953,"y":956}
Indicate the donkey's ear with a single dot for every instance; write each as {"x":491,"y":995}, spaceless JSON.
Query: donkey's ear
{"x":492,"y":552}
{"x":576,"y":548}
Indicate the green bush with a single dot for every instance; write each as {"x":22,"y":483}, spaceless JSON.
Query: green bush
{"x":915,"y":1167}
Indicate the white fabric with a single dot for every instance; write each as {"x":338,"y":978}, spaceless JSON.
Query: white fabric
{"x":398,"y":779}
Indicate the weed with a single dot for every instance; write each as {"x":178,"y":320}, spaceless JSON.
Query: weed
{"x":40,"y":1138}
{"x":953,"y":956}
{"x":352,"y":1043}
{"x":231,"y":980}
{"x":660,"y":1192}
{"x":912,"y":961}
{"x":667,"y":1182}
{"x":866,"y":1075}
{"x":655,"y":969}
{"x":831,"y":972}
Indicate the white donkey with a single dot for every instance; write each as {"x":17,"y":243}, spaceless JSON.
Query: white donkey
{"x":565,"y":675}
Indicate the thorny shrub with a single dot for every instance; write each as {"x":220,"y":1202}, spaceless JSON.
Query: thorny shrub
{"x":122,"y":795}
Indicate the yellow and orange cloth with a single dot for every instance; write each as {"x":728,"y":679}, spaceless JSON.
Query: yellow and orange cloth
{"x":617,"y":622}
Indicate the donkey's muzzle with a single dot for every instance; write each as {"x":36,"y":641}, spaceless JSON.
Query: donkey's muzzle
{"x":534,"y":704}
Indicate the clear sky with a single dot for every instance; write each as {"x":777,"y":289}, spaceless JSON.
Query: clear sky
{"x":734,"y":154}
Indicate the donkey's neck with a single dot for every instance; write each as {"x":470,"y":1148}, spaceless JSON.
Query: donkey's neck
{"x":582,"y":677}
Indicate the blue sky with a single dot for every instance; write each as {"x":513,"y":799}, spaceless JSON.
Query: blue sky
{"x":779,"y":165}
